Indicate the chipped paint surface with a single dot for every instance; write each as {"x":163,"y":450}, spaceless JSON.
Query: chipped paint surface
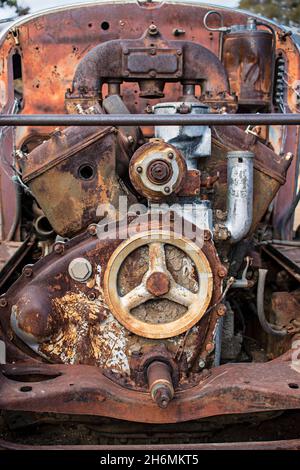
{"x":88,"y":334}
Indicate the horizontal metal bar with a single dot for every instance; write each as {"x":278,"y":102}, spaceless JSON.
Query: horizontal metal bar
{"x":292,"y":444}
{"x":146,"y":119}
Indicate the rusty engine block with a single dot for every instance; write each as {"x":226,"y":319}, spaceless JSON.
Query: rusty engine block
{"x":141,"y":247}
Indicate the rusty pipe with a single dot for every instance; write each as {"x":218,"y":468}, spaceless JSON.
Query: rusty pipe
{"x":105,"y":63}
{"x":266,"y":326}
{"x":43,"y":227}
{"x":240,"y":193}
{"x":160,"y":383}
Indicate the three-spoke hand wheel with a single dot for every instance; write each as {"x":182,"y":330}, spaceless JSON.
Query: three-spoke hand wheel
{"x":158,"y":283}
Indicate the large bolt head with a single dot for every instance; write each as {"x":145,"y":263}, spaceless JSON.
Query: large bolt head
{"x":158,"y":284}
{"x":80,"y":269}
{"x":159,"y":172}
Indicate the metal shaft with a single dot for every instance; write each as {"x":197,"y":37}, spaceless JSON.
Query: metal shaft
{"x":145,"y":119}
{"x":160,"y":383}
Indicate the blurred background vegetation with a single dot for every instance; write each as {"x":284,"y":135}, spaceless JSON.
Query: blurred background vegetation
{"x":282,"y":11}
{"x":19,"y":9}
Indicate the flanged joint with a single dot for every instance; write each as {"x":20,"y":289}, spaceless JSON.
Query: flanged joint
{"x":157,"y":170}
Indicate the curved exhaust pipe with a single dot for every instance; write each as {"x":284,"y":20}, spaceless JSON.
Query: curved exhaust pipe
{"x":240,"y":194}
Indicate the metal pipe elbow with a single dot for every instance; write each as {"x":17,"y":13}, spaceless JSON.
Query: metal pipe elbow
{"x":240,"y":194}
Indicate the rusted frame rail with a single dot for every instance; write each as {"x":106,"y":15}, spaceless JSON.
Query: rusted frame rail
{"x":145,"y":119}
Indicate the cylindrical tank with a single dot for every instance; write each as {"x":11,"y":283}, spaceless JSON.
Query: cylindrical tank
{"x":248,"y":57}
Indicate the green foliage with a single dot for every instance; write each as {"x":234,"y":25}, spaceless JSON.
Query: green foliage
{"x":282,"y":11}
{"x":14,"y":4}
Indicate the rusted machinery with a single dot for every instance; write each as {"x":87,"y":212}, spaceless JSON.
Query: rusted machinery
{"x":135,"y":255}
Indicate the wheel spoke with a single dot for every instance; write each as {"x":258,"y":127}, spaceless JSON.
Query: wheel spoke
{"x":181,"y":295}
{"x":136,"y":297}
{"x":157,"y":257}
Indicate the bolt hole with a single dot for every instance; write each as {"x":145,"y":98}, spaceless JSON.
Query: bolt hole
{"x":240,"y":160}
{"x":90,"y":25}
{"x":86,"y":172}
{"x":26,"y":388}
{"x":105,"y":25}
{"x":294,"y":386}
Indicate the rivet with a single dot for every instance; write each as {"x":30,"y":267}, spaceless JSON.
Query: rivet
{"x":59,"y":248}
{"x":207,"y":235}
{"x":27,"y":271}
{"x":209,"y":347}
{"x":222,"y":272}
{"x":3,"y":302}
{"x":92,"y":296}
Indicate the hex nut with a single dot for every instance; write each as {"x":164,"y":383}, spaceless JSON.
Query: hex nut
{"x":80,"y":269}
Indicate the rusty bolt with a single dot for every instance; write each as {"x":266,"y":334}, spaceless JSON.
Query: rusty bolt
{"x":139,"y":169}
{"x":3,"y":302}
{"x":159,"y":172}
{"x":209,"y":347}
{"x":162,"y":396}
{"x":178,"y":32}
{"x":92,"y":230}
{"x":59,"y":248}
{"x":201,"y":363}
{"x":152,"y":73}
{"x":170,"y":155}
{"x":130,"y":139}
{"x":207,"y":235}
{"x":179,"y":52}
{"x":158,"y":284}
{"x":153,"y":51}
{"x":92,"y":296}
{"x":221,"y":215}
{"x":27,"y":271}
{"x":221,"y":310}
{"x":125,"y":51}
{"x":167,"y":189}
{"x":222,"y":271}
{"x":153,"y":30}
{"x":80,"y":269}
{"x":160,"y":383}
